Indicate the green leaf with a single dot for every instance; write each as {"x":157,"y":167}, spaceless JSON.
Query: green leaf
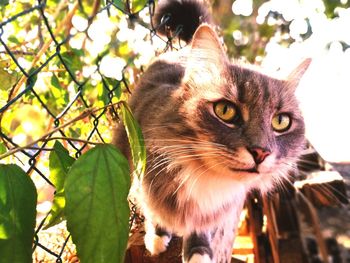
{"x":58,"y":96}
{"x":13,"y":39}
{"x":17,"y":214}
{"x":135,"y":137}
{"x":4,"y":2}
{"x":102,"y":93}
{"x":134,"y":5}
{"x":73,"y":59}
{"x":59,"y":163}
{"x":7,"y":79}
{"x":97,"y":208}
{"x":2,"y":148}
{"x":119,"y":4}
{"x":55,"y":82}
{"x":138,"y":5}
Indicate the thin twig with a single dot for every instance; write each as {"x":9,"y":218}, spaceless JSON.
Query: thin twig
{"x":19,"y":52}
{"x":83,"y":115}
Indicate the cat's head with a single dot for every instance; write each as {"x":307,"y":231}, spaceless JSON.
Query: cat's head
{"x":240,"y":123}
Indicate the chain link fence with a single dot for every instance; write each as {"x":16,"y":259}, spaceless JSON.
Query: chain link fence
{"x":61,"y":79}
{"x":55,"y":89}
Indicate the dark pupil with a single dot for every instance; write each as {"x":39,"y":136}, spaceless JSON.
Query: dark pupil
{"x":280,"y":117}
{"x":224,"y":110}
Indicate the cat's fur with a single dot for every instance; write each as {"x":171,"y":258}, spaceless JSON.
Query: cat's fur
{"x":199,"y":168}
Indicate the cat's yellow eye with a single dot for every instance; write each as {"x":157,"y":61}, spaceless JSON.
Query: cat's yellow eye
{"x":226,"y":111}
{"x":281,"y":122}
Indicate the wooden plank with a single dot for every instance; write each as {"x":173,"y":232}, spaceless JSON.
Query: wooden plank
{"x":324,"y":188}
{"x":255,"y":212}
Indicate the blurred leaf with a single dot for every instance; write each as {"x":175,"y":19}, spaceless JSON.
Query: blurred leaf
{"x":102,"y":93}
{"x":119,"y":4}
{"x":55,"y":82}
{"x":59,"y":162}
{"x":72,"y":58}
{"x":74,"y":133}
{"x":57,"y":96}
{"x":138,"y":150}
{"x":17,"y":214}
{"x":14,"y":39}
{"x":7,"y":79}
{"x":4,"y":2}
{"x":135,"y":5}
{"x":2,"y":148}
{"x":32,"y":78}
{"x":266,"y":30}
{"x":138,"y":5}
{"x":113,"y":85}
{"x":331,"y":5}
{"x":87,"y":8}
{"x":97,"y":208}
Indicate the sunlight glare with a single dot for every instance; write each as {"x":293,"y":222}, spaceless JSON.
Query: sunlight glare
{"x":242,"y":7}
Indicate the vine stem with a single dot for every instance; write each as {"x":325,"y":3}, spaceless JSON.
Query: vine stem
{"x":81,"y":116}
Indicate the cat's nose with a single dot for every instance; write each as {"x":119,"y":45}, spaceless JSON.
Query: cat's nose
{"x":259,"y":154}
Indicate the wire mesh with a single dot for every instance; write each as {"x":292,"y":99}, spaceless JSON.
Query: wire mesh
{"x":49,"y":88}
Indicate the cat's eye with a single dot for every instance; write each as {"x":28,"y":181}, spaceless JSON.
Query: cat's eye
{"x":281,"y":122}
{"x":226,"y":111}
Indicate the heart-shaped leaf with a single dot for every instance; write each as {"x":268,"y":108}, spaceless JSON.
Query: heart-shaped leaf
{"x":18,"y":198}
{"x":97,"y":208}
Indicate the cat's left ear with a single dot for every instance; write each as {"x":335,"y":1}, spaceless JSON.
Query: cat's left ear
{"x":206,"y":46}
{"x":207,"y":61}
{"x":296,"y":75}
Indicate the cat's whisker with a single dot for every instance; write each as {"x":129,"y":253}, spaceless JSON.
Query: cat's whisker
{"x":185,"y":146}
{"x":175,"y":152}
{"x":186,"y":141}
{"x":180,"y":155}
{"x":156,"y":175}
{"x":183,"y":150}
{"x":173,"y":148}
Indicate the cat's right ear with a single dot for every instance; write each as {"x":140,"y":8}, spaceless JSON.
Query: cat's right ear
{"x":207,"y":60}
{"x":296,"y":75}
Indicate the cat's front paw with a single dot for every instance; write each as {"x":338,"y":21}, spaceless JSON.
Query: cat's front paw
{"x":156,"y":244}
{"x":198,"y":258}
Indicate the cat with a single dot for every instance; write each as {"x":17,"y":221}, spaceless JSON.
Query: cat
{"x":213,"y":131}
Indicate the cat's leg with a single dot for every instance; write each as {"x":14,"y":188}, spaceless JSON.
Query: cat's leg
{"x":197,"y":249}
{"x":156,"y":238}
{"x":212,"y":247}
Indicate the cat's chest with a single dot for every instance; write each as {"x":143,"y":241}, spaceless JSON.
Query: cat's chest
{"x":192,"y":200}
{"x":209,"y":200}
{"x":211,"y":192}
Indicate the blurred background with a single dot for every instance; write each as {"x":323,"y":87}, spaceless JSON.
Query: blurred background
{"x":59,"y":58}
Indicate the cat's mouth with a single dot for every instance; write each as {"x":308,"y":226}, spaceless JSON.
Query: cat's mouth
{"x":250,"y":170}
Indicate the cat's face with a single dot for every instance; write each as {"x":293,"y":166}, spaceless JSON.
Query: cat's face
{"x":240,"y":125}
{"x":249,"y":129}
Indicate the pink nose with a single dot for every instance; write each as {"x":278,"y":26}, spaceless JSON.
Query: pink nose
{"x":259,"y":154}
